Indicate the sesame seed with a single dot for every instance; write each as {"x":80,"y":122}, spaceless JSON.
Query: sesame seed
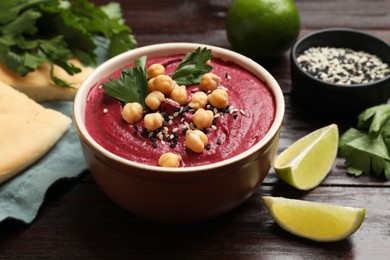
{"x":242,"y":111}
{"x":217,"y":115}
{"x":174,"y":130}
{"x":105,"y":110}
{"x":342,"y":65}
{"x":219,"y":141}
{"x":213,"y":127}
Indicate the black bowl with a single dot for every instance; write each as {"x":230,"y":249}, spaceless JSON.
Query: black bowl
{"x":326,"y":97}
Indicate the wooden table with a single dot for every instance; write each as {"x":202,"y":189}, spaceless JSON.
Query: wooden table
{"x":77,"y":219}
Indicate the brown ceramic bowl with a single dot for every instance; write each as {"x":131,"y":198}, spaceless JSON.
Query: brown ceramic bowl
{"x":179,"y":195}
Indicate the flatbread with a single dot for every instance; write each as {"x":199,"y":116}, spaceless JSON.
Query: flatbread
{"x":38,"y":85}
{"x":27,"y":131}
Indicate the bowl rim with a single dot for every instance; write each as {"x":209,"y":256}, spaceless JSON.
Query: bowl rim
{"x":113,"y":64}
{"x":336,"y":85}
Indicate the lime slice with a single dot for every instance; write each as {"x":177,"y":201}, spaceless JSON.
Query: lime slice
{"x":306,"y":162}
{"x":313,"y":220}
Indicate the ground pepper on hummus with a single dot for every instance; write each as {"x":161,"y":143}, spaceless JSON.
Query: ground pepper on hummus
{"x":179,"y":127}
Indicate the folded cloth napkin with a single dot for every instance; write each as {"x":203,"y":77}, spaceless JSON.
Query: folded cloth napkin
{"x":21,"y":196}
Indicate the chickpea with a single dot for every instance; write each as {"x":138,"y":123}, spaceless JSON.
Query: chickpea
{"x":209,"y":81}
{"x":169,"y":160}
{"x":179,"y":94}
{"x":132,"y":112}
{"x":219,"y":98}
{"x":151,"y":85}
{"x":153,"y":121}
{"x":203,"y":118}
{"x":196,"y":140}
{"x":198,"y":100}
{"x":154,"y":99}
{"x":164,"y":83}
{"x":154,"y":70}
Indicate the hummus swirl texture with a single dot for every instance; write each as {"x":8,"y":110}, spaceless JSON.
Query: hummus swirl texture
{"x":252,"y":111}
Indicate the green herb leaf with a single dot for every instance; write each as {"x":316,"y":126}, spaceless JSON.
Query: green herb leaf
{"x":366,"y":149}
{"x":53,"y":31}
{"x":192,"y":67}
{"x":132,"y":84}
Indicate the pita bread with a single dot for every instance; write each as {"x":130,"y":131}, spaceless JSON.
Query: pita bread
{"x":27,"y":131}
{"x":38,"y":85}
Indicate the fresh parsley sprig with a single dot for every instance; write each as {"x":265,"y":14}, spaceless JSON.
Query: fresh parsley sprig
{"x":53,"y":31}
{"x":366,"y":149}
{"x":192,"y":67}
{"x":132,"y":84}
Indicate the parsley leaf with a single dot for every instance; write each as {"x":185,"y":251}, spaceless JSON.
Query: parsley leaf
{"x":132,"y":84}
{"x":366,"y":149}
{"x":53,"y":31}
{"x":192,"y":67}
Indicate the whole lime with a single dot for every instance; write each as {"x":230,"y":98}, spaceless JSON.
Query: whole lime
{"x":262,"y":29}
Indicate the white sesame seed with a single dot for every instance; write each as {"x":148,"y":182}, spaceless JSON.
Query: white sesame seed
{"x":105,"y":110}
{"x":175,"y":114}
{"x":213,"y":127}
{"x":174,"y":130}
{"x":242,"y":111}
{"x":223,"y":87}
{"x":217,"y":115}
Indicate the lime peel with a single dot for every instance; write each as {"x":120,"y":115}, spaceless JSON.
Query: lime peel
{"x":315,"y":220}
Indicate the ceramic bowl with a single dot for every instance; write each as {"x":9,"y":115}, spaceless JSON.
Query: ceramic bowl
{"x":186,"y":194}
{"x":338,"y":98}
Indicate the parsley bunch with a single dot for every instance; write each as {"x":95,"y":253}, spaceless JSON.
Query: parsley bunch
{"x":53,"y":31}
{"x":366,"y":149}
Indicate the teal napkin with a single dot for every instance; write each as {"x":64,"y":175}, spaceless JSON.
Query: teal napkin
{"x":21,"y":196}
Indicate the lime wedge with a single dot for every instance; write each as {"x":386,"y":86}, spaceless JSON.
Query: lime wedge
{"x":313,"y":220}
{"x":306,"y":162}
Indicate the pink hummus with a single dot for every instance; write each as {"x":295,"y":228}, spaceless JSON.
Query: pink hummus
{"x":236,"y":129}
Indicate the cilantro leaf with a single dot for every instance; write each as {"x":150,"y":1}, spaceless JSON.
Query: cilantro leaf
{"x":132,"y":84}
{"x":192,"y":67}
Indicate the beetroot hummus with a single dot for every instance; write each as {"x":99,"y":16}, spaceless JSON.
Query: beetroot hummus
{"x":235,"y":129}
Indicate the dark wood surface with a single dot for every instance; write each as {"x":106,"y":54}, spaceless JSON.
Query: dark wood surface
{"x":78,"y":221}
